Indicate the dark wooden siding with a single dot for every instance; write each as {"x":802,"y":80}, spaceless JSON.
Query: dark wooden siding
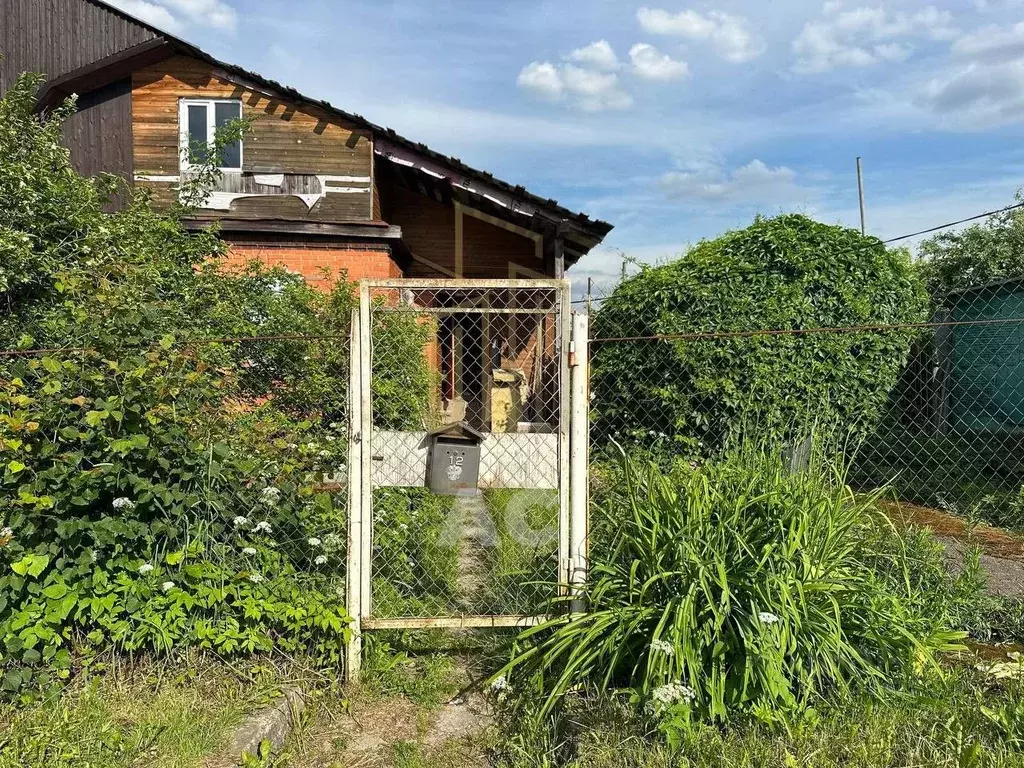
{"x":428,"y":229}
{"x":490,"y":251}
{"x":99,"y":135}
{"x":55,"y":37}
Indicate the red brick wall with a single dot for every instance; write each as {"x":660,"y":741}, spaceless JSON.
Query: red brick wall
{"x":308,"y":259}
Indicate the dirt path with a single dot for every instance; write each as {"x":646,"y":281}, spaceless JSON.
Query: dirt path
{"x":476,"y":537}
{"x":1002,"y":553}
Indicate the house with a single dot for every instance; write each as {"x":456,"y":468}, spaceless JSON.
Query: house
{"x":309,"y":187}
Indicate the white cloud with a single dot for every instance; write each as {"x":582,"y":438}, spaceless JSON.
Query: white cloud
{"x":212,"y":13}
{"x":863,"y":36}
{"x":175,"y":15}
{"x":984,"y":86}
{"x":151,"y":13}
{"x":992,"y":44}
{"x":652,"y":64}
{"x":543,"y":79}
{"x":598,"y":55}
{"x":978,"y":96}
{"x":731,"y":36}
{"x":754,"y":181}
{"x":586,"y":89}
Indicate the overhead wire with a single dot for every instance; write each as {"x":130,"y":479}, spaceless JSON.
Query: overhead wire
{"x":889,"y":241}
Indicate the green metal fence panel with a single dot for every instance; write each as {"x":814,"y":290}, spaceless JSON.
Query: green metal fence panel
{"x":987,"y":381}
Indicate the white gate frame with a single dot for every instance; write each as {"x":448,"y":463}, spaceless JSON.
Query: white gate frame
{"x":573,"y":462}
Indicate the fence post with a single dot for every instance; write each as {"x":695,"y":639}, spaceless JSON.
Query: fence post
{"x":354,"y":578}
{"x":579,"y":454}
{"x":565,"y":354}
{"x":366,"y":447}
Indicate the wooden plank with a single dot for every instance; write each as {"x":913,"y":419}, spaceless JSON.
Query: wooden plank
{"x":286,"y":137}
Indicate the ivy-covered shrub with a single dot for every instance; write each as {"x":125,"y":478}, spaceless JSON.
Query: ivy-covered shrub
{"x":163,"y":483}
{"x":980,"y":254}
{"x":787,"y":273}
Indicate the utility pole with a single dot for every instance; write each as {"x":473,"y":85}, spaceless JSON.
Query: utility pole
{"x":590,"y":293}
{"x":623,"y":267}
{"x":860,"y":194}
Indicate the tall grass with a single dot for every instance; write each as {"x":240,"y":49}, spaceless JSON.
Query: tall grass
{"x":958,"y":722}
{"x":740,"y":586}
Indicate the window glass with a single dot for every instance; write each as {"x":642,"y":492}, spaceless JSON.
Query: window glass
{"x":198,"y":133}
{"x":231,"y":155}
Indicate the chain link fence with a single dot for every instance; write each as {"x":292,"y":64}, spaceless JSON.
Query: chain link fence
{"x":490,"y":361}
{"x":189,"y":493}
{"x":933,"y":411}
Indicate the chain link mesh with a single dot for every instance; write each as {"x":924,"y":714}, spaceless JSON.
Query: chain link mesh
{"x":185,"y":469}
{"x":947,"y":432}
{"x":489,"y":358}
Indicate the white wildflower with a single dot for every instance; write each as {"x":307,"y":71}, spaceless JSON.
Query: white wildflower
{"x":255,"y":578}
{"x":241,"y":521}
{"x":671,"y":693}
{"x":270,"y":496}
{"x":6,"y":533}
{"x":660,"y":646}
{"x":123,"y":505}
{"x":250,"y":551}
{"x":320,"y":560}
{"x":167,"y":586}
{"x":325,"y":454}
{"x":315,"y":542}
{"x":333,"y":541}
{"x":145,"y":568}
{"x":500,"y":685}
{"x":262,"y":527}
{"x":767,"y":618}
{"x":403,"y":526}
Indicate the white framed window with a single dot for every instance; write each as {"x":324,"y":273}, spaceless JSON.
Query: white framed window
{"x":198,"y":123}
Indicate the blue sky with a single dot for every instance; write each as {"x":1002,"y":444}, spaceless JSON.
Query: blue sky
{"x":675,"y":121}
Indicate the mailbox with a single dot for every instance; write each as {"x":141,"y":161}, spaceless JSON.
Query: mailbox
{"x":453,"y":467}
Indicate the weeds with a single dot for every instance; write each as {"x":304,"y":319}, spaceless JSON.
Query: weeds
{"x":954,"y":722}
{"x":161,"y":714}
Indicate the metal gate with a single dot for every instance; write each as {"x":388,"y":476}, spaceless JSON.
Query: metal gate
{"x":506,"y":360}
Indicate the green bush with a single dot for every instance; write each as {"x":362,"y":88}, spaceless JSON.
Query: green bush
{"x":738,"y":587}
{"x":160,"y":489}
{"x":977,"y":255}
{"x":784,"y":273}
{"x":130,"y":523}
